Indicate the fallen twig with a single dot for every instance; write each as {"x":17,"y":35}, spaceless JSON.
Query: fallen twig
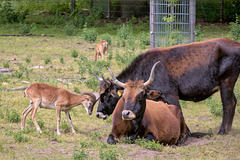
{"x":23,"y":35}
{"x":19,"y":88}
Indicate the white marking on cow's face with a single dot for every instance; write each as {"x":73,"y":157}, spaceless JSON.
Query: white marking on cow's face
{"x":101,"y":115}
{"x":128,"y":115}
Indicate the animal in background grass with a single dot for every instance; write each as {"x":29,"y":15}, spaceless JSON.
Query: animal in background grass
{"x":158,"y":121}
{"x":190,"y":72}
{"x":50,"y":97}
{"x":101,"y":48}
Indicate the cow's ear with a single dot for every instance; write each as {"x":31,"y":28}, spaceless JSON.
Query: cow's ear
{"x":152,"y":94}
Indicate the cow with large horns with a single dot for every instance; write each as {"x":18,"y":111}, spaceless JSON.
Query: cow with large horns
{"x":190,"y":72}
{"x":135,"y":115}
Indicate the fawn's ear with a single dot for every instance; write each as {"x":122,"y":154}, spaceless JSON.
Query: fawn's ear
{"x":152,"y":94}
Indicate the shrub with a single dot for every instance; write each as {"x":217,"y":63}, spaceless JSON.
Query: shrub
{"x":215,"y":106}
{"x":76,"y":90}
{"x":152,"y":145}
{"x":144,"y":40}
{"x":70,"y":30}
{"x":122,"y":34}
{"x":9,"y":15}
{"x":80,"y":154}
{"x":89,"y":35}
{"x":106,"y":37}
{"x":19,"y":137}
{"x":124,"y":60}
{"x":235,"y":28}
{"x":61,"y":60}
{"x":74,"y":54}
{"x":109,"y":154}
{"x":47,"y":60}
{"x":12,"y":116}
{"x":28,"y":59}
{"x":5,"y":65}
{"x":40,"y":123}
{"x":198,"y":36}
{"x":24,"y":29}
{"x":96,"y":135}
{"x":17,"y":74}
{"x":66,"y":128}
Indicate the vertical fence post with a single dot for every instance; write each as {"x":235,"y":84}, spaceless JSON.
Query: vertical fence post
{"x":152,"y":20}
{"x":192,"y":19}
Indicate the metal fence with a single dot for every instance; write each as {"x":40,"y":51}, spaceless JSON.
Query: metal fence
{"x":171,"y":22}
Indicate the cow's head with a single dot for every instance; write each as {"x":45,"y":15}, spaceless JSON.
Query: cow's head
{"x":135,"y":94}
{"x":108,"y":97}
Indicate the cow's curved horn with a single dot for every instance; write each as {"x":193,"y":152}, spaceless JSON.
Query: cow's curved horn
{"x":100,"y":79}
{"x":106,"y":81}
{"x":117,"y":82}
{"x":151,"y":77}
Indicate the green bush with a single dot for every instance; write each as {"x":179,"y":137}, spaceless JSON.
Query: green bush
{"x":80,"y":154}
{"x":107,"y":37}
{"x":109,"y":154}
{"x":65,"y":126}
{"x":9,"y":15}
{"x":123,"y":34}
{"x":235,"y":28}
{"x":70,"y":30}
{"x":19,"y":137}
{"x":5,"y":65}
{"x":28,"y":59}
{"x":144,"y":40}
{"x":124,"y":60}
{"x":74,"y":54}
{"x":12,"y":116}
{"x":47,"y":60}
{"x":215,"y":106}
{"x":151,"y":145}
{"x":40,"y":123}
{"x":89,"y":34}
{"x":61,"y":60}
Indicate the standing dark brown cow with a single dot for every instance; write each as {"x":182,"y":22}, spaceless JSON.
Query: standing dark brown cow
{"x":158,"y":121}
{"x":190,"y":72}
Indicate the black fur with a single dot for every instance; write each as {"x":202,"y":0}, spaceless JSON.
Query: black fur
{"x":190,"y":72}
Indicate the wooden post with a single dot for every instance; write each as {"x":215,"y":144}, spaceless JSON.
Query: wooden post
{"x":152,"y":20}
{"x":72,"y":5}
{"x":192,"y":18}
{"x":108,"y":13}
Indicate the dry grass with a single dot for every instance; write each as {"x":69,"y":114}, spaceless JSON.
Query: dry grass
{"x":92,"y":133}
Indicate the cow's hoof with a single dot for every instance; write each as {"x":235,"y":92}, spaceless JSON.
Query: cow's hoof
{"x":111,"y":139}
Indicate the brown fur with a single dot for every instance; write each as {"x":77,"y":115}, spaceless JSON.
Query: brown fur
{"x":160,"y":119}
{"x":101,"y":48}
{"x":50,"y":97}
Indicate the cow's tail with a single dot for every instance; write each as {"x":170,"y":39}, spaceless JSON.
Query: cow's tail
{"x":200,"y":134}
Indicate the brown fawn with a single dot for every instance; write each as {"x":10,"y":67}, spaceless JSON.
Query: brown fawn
{"x":101,"y":48}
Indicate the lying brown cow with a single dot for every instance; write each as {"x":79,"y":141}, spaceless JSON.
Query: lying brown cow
{"x":159,"y":121}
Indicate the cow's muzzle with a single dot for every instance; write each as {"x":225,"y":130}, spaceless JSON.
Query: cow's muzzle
{"x":101,"y":115}
{"x":128,"y":115}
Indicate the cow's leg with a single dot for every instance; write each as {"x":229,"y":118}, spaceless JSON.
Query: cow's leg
{"x":136,"y":123}
{"x":150,"y":137}
{"x":173,"y":99}
{"x":111,"y":139}
{"x":229,"y":104}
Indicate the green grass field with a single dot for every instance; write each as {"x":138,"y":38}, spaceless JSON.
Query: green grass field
{"x":22,"y":54}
